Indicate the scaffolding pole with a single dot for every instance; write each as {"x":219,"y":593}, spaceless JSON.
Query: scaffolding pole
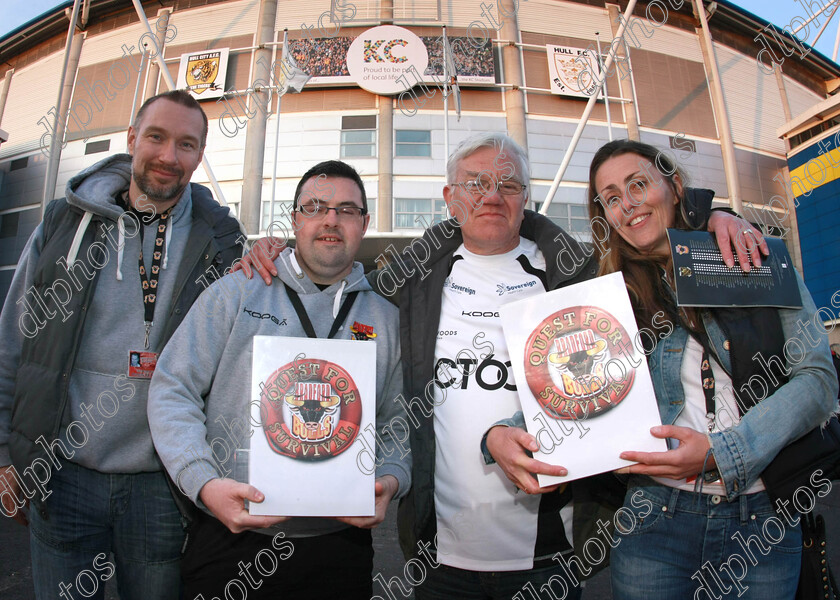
{"x":567,"y":158}
{"x":169,"y":81}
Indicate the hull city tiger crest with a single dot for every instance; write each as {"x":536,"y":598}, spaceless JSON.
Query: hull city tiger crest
{"x":310,"y":409}
{"x":574,"y":364}
{"x":202,"y":70}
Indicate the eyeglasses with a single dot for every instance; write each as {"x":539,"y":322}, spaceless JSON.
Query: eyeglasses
{"x":320,"y":211}
{"x":486,"y":186}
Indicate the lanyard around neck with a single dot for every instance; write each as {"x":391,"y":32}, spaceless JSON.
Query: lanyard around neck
{"x":149,"y":281}
{"x":304,"y":317}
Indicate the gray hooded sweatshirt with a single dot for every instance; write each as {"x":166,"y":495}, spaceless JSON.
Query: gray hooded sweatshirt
{"x":105,"y":407}
{"x":198,"y":401}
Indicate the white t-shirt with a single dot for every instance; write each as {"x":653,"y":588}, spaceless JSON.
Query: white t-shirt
{"x":482,"y":524}
{"x":693,"y":415}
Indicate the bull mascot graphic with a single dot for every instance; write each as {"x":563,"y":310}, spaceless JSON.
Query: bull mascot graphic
{"x":577,"y":353}
{"x":310,"y":409}
{"x":313,"y":409}
{"x":578,"y":368}
{"x":575,"y":364}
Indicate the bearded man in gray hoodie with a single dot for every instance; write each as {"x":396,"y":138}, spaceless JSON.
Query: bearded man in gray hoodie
{"x":199,"y":406}
{"x":101,"y":285}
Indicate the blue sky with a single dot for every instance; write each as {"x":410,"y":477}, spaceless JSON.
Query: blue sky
{"x":14,"y":13}
{"x":780,"y":12}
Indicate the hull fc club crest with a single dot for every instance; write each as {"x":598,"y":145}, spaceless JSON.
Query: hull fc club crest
{"x":310,"y":409}
{"x":575,"y":363}
{"x":572,"y":71}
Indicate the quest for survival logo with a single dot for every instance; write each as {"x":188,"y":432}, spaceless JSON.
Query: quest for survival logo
{"x":573,"y":364}
{"x":310,"y":409}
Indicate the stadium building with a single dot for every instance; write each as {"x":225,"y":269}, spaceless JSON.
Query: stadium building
{"x":730,"y":96}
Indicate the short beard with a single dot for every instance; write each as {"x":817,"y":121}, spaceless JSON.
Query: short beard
{"x":154,"y":192}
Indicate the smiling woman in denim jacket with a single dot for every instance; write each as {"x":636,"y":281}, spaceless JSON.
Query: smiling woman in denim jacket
{"x":701,"y":518}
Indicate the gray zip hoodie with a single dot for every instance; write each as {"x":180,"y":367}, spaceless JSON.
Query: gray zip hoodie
{"x":198,"y":401}
{"x":105,"y":408}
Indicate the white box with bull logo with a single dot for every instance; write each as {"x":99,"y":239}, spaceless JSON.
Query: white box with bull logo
{"x":310,"y":400}
{"x":581,"y":373}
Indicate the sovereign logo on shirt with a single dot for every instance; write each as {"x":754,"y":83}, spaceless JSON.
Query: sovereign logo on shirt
{"x":460,"y":289}
{"x":503,"y":288}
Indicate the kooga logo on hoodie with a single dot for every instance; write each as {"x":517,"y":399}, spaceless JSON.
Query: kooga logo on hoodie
{"x":259,"y":315}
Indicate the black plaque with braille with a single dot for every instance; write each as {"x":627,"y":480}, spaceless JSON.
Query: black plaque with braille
{"x":703,"y":279}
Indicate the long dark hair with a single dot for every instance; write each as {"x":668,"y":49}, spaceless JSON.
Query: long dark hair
{"x":642,"y":272}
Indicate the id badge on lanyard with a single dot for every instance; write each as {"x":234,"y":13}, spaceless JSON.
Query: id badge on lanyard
{"x":142,"y":363}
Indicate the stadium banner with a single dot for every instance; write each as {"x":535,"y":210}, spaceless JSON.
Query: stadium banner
{"x":474,"y":63}
{"x":325,"y":59}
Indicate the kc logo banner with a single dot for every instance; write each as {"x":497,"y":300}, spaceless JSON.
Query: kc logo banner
{"x":378,"y":57}
{"x":372,"y":51}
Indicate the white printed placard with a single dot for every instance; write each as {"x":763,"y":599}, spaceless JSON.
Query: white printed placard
{"x":582,"y":377}
{"x":310,"y":400}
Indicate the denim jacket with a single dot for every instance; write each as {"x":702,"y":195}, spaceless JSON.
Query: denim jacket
{"x":807,"y":399}
{"x":742,"y":452}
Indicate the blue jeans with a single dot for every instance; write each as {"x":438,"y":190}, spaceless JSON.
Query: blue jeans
{"x":682,"y":545}
{"x":95,"y":526}
{"x":447,"y":583}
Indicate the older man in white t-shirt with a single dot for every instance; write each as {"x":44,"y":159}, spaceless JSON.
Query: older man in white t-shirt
{"x":489,"y":540}
{"x":467,"y":531}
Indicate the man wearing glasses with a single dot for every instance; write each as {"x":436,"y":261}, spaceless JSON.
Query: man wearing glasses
{"x":473,"y":532}
{"x":489,"y":540}
{"x":198,"y":402}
